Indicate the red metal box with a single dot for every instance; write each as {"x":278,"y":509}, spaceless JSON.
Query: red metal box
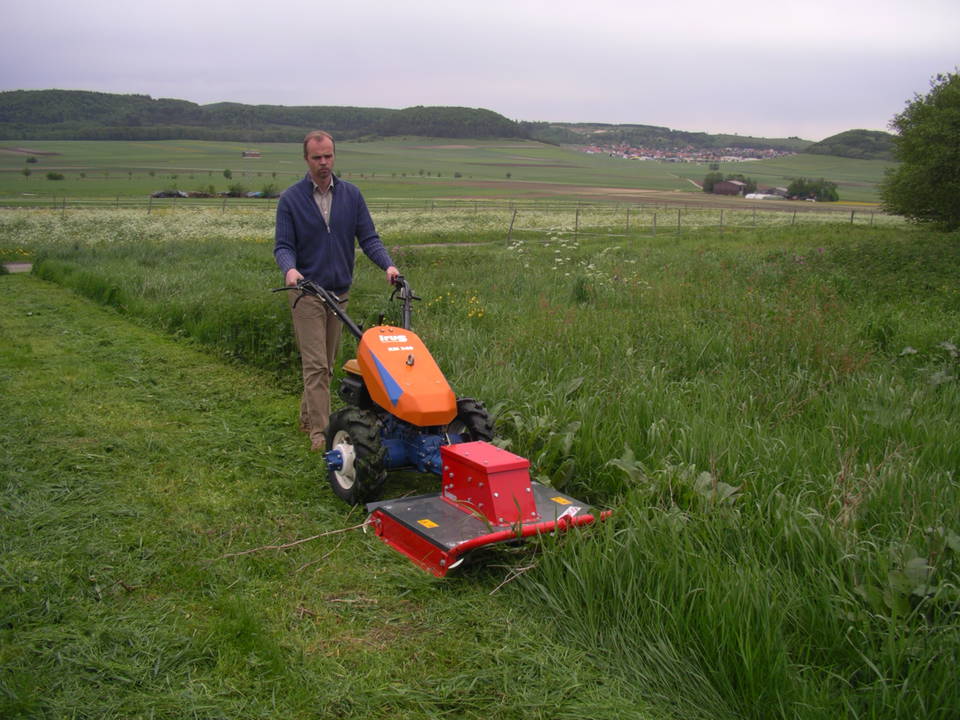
{"x":481,"y":478}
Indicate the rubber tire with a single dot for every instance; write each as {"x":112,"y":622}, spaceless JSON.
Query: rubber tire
{"x":360,"y":431}
{"x":472,"y":420}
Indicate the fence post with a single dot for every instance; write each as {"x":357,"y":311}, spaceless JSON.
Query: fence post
{"x":223,"y":206}
{"x":149,"y":204}
{"x":754,"y":215}
{"x":721,"y":217}
{"x":510,"y":231}
{"x":678,"y":219}
{"x":628,"y":219}
{"x":654,"y":224}
{"x":851,"y":216}
{"x":794,"y":221}
{"x":576,"y":223}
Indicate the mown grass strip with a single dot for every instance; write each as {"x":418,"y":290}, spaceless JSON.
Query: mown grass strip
{"x":131,"y":466}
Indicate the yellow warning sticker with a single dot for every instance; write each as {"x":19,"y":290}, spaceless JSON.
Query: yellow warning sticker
{"x":560,"y":500}
{"x":427,"y":523}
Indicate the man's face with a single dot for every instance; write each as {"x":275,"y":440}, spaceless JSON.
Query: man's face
{"x":320,"y":160}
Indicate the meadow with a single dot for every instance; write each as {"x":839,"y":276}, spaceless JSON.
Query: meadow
{"x":398,"y":168}
{"x":771,"y":412}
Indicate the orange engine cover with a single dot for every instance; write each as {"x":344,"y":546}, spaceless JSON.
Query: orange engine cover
{"x":403,"y":378}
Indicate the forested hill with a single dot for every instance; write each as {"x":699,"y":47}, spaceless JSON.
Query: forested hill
{"x":656,"y":137}
{"x":83,"y":115}
{"x":860,"y":144}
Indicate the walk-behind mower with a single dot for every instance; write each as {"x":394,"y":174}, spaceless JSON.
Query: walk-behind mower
{"x":401,"y":414}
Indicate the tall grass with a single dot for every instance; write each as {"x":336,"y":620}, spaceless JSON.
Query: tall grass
{"x":773,"y":413}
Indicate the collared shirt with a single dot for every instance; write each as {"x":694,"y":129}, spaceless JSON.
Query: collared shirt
{"x":324,"y":200}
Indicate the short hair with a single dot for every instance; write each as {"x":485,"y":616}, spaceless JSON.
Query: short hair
{"x":318,"y":135}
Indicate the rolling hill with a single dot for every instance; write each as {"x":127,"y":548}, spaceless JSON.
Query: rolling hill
{"x":84,"y":115}
{"x":856,"y":144}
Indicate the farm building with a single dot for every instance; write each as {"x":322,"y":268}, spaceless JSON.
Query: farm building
{"x":729,"y":187}
{"x":250,"y":154}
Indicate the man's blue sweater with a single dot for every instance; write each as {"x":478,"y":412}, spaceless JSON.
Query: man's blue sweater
{"x":325,"y":254}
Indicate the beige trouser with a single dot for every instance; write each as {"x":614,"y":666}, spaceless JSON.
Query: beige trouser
{"x":317,"y":331}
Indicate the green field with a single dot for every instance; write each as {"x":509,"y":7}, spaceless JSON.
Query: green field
{"x":414,"y":168}
{"x":856,"y":180}
{"x":772,"y":413}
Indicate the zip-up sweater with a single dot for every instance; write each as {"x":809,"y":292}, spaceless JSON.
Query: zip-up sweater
{"x":325,"y":254}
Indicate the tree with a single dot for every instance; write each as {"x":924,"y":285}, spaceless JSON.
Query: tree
{"x":925,"y":186}
{"x":710,"y":180}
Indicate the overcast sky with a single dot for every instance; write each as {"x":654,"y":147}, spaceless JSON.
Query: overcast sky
{"x":772,"y":68}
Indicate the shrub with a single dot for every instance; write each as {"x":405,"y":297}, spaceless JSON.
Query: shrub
{"x":820,"y":190}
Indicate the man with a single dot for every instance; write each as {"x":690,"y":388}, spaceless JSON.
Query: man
{"x":319,"y":219}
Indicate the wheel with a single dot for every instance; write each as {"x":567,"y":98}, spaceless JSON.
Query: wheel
{"x":472,"y":422}
{"x":357,"y":474}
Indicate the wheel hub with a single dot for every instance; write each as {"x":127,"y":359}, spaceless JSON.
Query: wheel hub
{"x":345,"y":474}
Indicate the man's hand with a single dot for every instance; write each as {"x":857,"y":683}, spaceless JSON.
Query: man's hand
{"x":293,"y":276}
{"x":392,"y":274}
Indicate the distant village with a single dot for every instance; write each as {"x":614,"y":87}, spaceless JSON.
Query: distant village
{"x":685,"y":155}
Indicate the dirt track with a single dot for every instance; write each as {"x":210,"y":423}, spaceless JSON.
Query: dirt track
{"x":25,"y":151}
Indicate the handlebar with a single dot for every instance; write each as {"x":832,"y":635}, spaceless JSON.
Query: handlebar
{"x":308,"y":287}
{"x":400,"y":287}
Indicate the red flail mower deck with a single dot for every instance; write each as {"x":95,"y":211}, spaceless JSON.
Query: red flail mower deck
{"x":487,"y":498}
